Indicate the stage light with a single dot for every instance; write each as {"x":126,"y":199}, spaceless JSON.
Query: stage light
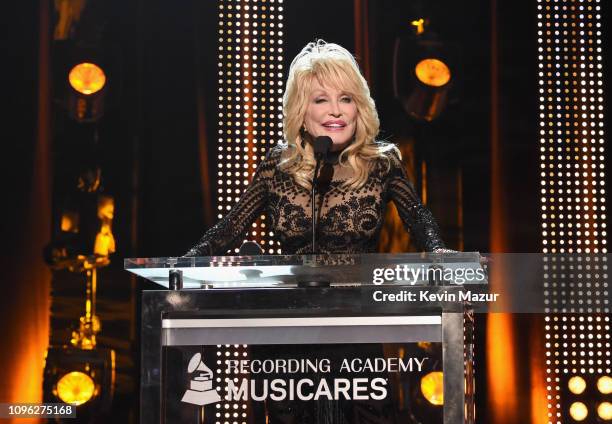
{"x":604,"y":385}
{"x":604,"y":410}
{"x":578,"y":411}
{"x":576,"y":385}
{"x":433,"y":72}
{"x":422,"y":72}
{"x":85,"y":378}
{"x":75,"y":387}
{"x":432,"y":387}
{"x":87,"y":78}
{"x":85,"y":92}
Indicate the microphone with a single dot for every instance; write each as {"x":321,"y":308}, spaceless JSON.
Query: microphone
{"x":321,"y":146}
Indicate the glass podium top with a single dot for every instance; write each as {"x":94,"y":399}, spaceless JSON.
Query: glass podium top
{"x":408,"y":269}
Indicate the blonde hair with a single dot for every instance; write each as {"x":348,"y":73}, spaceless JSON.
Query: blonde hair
{"x":331,"y":65}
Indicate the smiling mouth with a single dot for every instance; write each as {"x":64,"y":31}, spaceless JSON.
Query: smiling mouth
{"x":334,"y":127}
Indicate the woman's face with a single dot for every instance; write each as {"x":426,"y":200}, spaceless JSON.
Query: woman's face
{"x":331,"y":112}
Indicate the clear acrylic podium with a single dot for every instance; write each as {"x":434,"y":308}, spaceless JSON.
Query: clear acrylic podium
{"x":308,"y":339}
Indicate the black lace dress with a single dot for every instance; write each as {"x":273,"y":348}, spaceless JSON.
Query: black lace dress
{"x":349,"y":220}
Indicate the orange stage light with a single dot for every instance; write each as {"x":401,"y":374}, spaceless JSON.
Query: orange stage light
{"x":433,"y":72}
{"x":87,"y":78}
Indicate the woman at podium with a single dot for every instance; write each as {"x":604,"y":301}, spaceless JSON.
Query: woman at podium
{"x":326,"y":96}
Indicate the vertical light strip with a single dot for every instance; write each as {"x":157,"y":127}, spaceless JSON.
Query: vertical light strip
{"x":250,"y":87}
{"x":570,"y":78}
{"x":573,"y":196}
{"x":234,"y":411}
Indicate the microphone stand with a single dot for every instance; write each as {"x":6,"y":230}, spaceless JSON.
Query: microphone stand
{"x":321,"y":146}
{"x":313,"y":197}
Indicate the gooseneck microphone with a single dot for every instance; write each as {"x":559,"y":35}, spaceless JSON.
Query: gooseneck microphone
{"x":321,"y":146}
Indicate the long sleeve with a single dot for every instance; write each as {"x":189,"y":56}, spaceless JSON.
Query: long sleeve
{"x":227,"y":233}
{"x":416,"y":217}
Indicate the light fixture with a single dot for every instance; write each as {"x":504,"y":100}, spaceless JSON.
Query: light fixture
{"x":85,"y":378}
{"x":244,"y":75}
{"x":571,"y":146}
{"x":432,"y":387}
{"x":604,"y":411}
{"x":604,"y":384}
{"x":86,"y":88}
{"x":87,"y":78}
{"x":576,"y":385}
{"x":433,"y":72}
{"x":75,"y":387}
{"x":578,"y":411}
{"x":422,"y":72}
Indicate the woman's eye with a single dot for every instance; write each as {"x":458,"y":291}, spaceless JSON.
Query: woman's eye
{"x":346,"y":99}
{"x":317,"y":101}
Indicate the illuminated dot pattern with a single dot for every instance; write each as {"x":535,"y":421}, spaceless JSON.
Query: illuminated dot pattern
{"x":229,"y":411}
{"x":250,"y":72}
{"x":571,"y":126}
{"x":572,"y":194}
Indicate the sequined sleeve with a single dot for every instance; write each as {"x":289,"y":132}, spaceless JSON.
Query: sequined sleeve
{"x":231,"y":229}
{"x":416,"y":217}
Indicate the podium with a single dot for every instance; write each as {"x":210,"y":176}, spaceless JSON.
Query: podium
{"x":376,"y":338}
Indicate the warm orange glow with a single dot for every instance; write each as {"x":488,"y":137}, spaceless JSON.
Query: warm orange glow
{"x":25,"y":340}
{"x":75,"y":387}
{"x":537,"y":376}
{"x":432,"y":388}
{"x":105,"y":240}
{"x":501,"y":379}
{"x":419,"y":24}
{"x":433,"y":72}
{"x":87,"y":78}
{"x":578,"y":411}
{"x":70,"y":222}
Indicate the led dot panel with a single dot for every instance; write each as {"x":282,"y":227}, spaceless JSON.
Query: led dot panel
{"x":229,"y":412}
{"x":250,"y":72}
{"x":573,"y":196}
{"x":571,"y":126}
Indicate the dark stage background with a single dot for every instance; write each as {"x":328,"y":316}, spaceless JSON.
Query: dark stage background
{"x":156,"y":148}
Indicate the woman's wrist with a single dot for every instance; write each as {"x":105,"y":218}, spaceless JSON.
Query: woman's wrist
{"x":444,"y":250}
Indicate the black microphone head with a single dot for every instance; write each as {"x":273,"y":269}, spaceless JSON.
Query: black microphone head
{"x":321,"y":145}
{"x":250,"y":248}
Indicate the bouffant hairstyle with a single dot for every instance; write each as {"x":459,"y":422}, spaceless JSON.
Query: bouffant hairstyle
{"x":331,"y":66}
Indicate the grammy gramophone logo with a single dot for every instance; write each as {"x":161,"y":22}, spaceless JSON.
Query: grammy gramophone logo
{"x":201,"y":391}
